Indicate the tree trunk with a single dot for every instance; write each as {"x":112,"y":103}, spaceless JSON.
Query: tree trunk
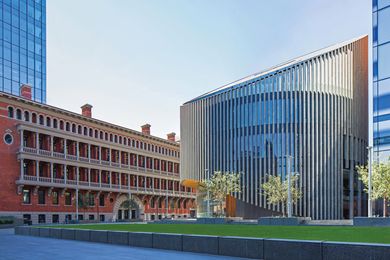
{"x":283,"y":211}
{"x":384,"y":207}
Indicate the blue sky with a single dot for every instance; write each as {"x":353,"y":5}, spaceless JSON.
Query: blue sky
{"x":136,"y":62}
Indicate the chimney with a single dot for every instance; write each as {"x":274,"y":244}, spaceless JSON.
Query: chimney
{"x":146,"y":129}
{"x":171,"y":137}
{"x":86,"y":110}
{"x":25,"y":91}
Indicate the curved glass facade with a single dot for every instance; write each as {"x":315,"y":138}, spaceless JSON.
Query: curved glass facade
{"x":313,"y":108}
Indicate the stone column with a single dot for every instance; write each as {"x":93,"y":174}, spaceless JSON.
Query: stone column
{"x":89,"y":176}
{"x":65,"y":147}
{"x":37,"y":169}
{"x":110,"y":178}
{"x":51,"y":144}
{"x":51,"y":172}
{"x":21,"y":139}
{"x":89,"y":152}
{"x":22,"y":169}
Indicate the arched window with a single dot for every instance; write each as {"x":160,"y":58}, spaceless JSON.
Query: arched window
{"x":74,"y":128}
{"x":116,"y":138}
{"x":10,"y":112}
{"x":55,"y":124}
{"x":26,"y":116}
{"x":85,"y":130}
{"x":67,"y":126}
{"x":18,"y":114}
{"x":61,"y":125}
{"x":34,"y":118}
{"x":96,"y":133}
{"x":79,"y":130}
{"x":101,"y":135}
{"x":48,"y":122}
{"x":91,"y":132}
{"x":111,"y":138}
{"x":120,"y":139}
{"x":106,"y":136}
{"x":41,"y":120}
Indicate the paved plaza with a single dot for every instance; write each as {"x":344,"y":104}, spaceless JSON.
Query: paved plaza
{"x":27,"y":247}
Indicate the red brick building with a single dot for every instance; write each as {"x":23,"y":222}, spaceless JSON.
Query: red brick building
{"x":50,"y":158}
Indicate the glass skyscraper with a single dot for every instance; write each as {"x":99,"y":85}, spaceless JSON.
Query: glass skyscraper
{"x":381,"y":78}
{"x":23,"y":47}
{"x":306,"y":116}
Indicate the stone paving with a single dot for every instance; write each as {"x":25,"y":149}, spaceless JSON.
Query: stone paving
{"x":27,"y":247}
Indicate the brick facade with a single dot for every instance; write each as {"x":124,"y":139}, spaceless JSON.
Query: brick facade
{"x":48,"y":152}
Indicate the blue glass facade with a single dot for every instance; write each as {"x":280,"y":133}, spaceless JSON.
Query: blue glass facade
{"x":381,"y":78}
{"x":313,"y":108}
{"x":23,"y":47}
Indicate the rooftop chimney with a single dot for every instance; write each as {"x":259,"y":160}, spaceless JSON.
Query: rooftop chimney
{"x":146,"y":129}
{"x":25,"y":91}
{"x":86,"y":110}
{"x":171,"y":137}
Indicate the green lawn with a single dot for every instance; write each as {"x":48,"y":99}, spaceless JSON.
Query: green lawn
{"x":324,"y":233}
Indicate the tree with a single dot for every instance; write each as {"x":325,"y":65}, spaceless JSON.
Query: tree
{"x":220,"y":185}
{"x":276,"y":191}
{"x":380,"y":181}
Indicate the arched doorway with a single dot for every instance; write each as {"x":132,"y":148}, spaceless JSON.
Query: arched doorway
{"x":128,"y":207}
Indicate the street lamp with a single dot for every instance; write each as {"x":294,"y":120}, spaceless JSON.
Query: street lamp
{"x":369,"y":180}
{"x":208,"y":193}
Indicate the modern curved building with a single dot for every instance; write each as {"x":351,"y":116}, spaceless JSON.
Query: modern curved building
{"x":312,"y":109}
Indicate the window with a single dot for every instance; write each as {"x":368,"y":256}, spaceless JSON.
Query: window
{"x":8,"y":139}
{"x":18,"y":114}
{"x":68,"y":217}
{"x":73,"y":128}
{"x":41,"y":218}
{"x":68,"y":198}
{"x":41,"y":120}
{"x":54,"y":195}
{"x":34,"y":118}
{"x":55,"y":218}
{"x":384,"y":61}
{"x":79,"y":130}
{"x":26,"y":116}
{"x":26,"y":218}
{"x":26,"y":197}
{"x":102,"y":218}
{"x":91,"y":199}
{"x":67,"y":127}
{"x":85,"y":130}
{"x":90,"y":132}
{"x":81,"y":217}
{"x":10,"y":112}
{"x":101,"y":200}
{"x":48,"y":122}
{"x":41,"y":197}
{"x":61,"y":125}
{"x":383,"y":21}
{"x":91,"y":217}
{"x":55,"y":124}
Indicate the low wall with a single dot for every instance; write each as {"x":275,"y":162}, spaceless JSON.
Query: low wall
{"x":372,"y":222}
{"x":256,"y":248}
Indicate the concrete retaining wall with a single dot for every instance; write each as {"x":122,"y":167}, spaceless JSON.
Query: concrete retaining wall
{"x":364,"y":221}
{"x":200,"y":244}
{"x":257,"y":248}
